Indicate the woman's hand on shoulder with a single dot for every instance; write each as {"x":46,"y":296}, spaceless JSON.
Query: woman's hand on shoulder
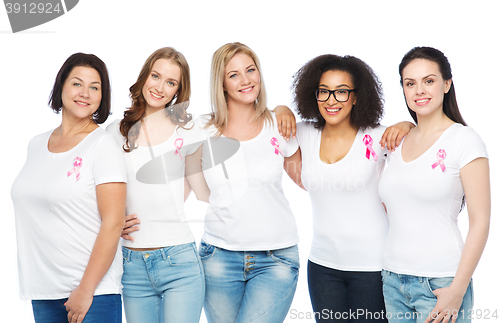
{"x":286,"y":122}
{"x":394,"y":134}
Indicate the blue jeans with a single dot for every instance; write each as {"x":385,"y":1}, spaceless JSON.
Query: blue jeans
{"x":104,"y":309}
{"x":410,"y":299}
{"x":249,"y":286}
{"x":163,"y":285}
{"x":345,"y":296}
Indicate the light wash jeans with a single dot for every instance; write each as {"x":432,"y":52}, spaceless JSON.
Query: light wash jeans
{"x":104,"y":309}
{"x":410,"y":299}
{"x":249,"y":286}
{"x":163,"y":286}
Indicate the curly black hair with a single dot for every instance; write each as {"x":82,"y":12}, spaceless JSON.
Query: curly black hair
{"x":369,"y":107}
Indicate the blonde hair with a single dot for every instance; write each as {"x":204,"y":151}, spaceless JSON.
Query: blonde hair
{"x":220,"y":59}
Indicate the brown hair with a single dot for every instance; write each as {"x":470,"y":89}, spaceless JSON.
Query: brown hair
{"x":87,"y":60}
{"x":177,"y":113}
{"x":450,"y":105}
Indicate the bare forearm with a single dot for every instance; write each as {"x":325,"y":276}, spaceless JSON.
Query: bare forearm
{"x":102,"y":255}
{"x":472,"y":251}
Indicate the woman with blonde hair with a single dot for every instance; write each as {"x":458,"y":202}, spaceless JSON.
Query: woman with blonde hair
{"x":249,"y":248}
{"x":163,"y":278}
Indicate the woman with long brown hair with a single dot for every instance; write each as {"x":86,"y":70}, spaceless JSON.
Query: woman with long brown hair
{"x":163,"y":278}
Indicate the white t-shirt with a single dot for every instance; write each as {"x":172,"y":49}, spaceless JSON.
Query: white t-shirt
{"x":349,"y":222}
{"x":155,"y":188}
{"x":57,"y":218}
{"x":248,"y":210}
{"x":423,"y":199}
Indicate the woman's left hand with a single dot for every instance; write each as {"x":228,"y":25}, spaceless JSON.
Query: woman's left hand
{"x":286,"y":121}
{"x":78,"y":305}
{"x":447,"y":306}
{"x":394,"y":134}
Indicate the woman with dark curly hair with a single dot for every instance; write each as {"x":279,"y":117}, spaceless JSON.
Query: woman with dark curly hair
{"x":341,"y":98}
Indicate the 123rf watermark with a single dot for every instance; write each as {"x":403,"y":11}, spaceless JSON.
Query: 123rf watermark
{"x":28,"y":14}
{"x":363,"y":314}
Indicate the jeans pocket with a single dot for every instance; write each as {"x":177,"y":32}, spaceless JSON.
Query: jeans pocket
{"x":288,"y":257}
{"x":433,"y":283}
{"x":184,"y":257}
{"x":207,"y":251}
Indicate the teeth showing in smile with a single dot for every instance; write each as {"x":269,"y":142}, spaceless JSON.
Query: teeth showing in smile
{"x":156,"y":96}
{"x":248,"y":89}
{"x":81,"y":103}
{"x":422,"y":101}
{"x":333,"y":110}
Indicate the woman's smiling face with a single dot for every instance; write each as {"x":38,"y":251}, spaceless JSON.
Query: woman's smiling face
{"x":424,"y":86}
{"x":241,"y":80}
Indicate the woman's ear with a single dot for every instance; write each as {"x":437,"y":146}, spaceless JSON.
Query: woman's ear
{"x":447,"y":85}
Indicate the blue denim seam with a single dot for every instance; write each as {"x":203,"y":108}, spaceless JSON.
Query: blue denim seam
{"x":283,"y":262}
{"x":210,"y":256}
{"x":291,"y":290}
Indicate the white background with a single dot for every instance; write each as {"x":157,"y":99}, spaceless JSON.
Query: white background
{"x":285,"y":35}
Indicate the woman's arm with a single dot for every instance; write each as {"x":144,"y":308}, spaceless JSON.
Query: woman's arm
{"x":393,"y":135}
{"x":111,"y":198}
{"x":475,"y":178}
{"x":293,"y":167}
{"x":194,"y":176}
{"x":286,"y":122}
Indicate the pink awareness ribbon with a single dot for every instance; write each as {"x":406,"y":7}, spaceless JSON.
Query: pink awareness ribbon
{"x":276,"y":146}
{"x":368,"y":141}
{"x":178,"y":145}
{"x":441,"y":155}
{"x":77,"y":164}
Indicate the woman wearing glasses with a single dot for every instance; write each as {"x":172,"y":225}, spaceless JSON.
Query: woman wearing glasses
{"x":341,"y":164}
{"x":440,"y":164}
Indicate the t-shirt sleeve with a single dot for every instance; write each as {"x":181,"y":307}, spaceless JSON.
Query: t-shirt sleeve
{"x":114,"y":129}
{"x":470,"y":146}
{"x":109,"y":163}
{"x":291,"y":147}
{"x":377,"y":133}
{"x":194,"y":136}
{"x":302,"y":128}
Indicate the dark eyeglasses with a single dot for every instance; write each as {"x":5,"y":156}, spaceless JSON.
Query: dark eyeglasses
{"x":341,"y":95}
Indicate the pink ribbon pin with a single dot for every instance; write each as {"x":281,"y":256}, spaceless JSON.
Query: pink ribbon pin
{"x":441,"y":155}
{"x":368,"y":141}
{"x":276,"y":146}
{"x":178,"y":145}
{"x":77,"y":164}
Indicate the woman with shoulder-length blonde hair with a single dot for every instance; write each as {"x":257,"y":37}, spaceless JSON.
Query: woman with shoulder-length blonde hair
{"x":218,"y":94}
{"x":163,"y":278}
{"x":249,"y":247}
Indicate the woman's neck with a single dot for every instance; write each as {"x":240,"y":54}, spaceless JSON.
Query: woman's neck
{"x":334,"y":131}
{"x":72,"y":126}
{"x":429,"y":124}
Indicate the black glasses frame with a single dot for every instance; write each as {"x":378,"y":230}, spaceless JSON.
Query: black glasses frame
{"x":330,"y":92}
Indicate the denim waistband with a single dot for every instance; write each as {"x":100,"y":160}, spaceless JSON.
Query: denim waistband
{"x":162,"y":253}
